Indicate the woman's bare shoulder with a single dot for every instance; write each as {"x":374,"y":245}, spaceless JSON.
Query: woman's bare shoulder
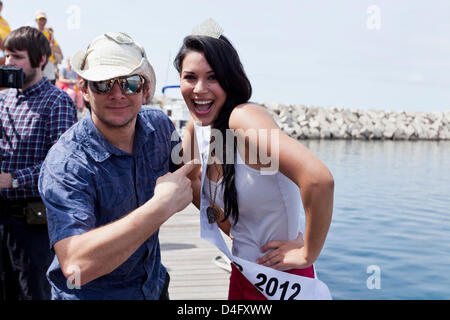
{"x":250,"y":115}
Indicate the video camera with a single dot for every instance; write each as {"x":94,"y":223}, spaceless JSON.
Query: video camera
{"x":11,"y":77}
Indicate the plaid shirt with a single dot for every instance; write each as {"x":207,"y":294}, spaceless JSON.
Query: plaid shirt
{"x":31,"y":122}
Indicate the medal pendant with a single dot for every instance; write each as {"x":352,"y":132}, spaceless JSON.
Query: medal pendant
{"x":212,"y":214}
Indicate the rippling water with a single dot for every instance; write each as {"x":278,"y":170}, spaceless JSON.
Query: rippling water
{"x":391,"y":211}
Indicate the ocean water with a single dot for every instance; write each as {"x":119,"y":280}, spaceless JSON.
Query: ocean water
{"x":390,"y":233}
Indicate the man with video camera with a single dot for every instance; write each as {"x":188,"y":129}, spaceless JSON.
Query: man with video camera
{"x":33,"y":115}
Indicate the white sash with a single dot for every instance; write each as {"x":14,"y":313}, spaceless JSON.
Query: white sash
{"x":274,"y":284}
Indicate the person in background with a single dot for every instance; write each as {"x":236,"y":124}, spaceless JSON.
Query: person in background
{"x":56,"y":56}
{"x":67,"y":77}
{"x":31,"y":121}
{"x":109,"y":183}
{"x":4,"y":31}
{"x":261,"y":212}
{"x":68,"y":81}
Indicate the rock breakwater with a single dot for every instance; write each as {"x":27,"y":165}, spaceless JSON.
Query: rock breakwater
{"x":302,"y":122}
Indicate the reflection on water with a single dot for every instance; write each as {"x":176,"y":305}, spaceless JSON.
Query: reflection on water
{"x":391,"y":210}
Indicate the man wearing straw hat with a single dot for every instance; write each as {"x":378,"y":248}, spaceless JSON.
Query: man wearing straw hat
{"x":107,"y":184}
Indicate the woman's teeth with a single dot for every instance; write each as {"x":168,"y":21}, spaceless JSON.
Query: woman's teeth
{"x":203,"y":106}
{"x":203,"y":102}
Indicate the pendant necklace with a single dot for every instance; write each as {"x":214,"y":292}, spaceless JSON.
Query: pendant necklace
{"x":211,"y":212}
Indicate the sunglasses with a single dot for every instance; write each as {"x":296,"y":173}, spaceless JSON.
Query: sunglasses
{"x":128,"y":85}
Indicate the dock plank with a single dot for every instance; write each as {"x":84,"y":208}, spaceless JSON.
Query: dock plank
{"x":189,"y":259}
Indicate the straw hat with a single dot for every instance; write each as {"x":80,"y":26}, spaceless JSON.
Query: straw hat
{"x":112,"y":55}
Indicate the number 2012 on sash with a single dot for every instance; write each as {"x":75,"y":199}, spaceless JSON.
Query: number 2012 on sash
{"x":272,"y":285}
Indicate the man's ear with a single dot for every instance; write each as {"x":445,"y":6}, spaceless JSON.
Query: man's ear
{"x":146,"y":91}
{"x":83,"y":85}
{"x":43,"y":62}
{"x":145,"y":95}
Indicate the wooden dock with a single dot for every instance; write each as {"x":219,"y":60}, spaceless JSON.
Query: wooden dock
{"x":190,"y":260}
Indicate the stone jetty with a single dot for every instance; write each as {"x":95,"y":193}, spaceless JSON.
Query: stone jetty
{"x":304,"y":122}
{"x":310,"y":122}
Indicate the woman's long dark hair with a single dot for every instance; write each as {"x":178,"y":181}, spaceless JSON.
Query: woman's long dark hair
{"x":224,"y":60}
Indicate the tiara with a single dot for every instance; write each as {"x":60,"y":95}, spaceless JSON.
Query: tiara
{"x":208,"y":28}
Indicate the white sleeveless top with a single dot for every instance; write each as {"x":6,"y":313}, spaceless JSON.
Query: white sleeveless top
{"x":270,"y":208}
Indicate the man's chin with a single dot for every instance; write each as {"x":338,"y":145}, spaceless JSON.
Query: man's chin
{"x":31,"y":79}
{"x":116,"y":123}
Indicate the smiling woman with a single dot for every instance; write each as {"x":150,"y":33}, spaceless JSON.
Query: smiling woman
{"x":215,"y":62}
{"x":200,"y":88}
{"x":260,"y":212}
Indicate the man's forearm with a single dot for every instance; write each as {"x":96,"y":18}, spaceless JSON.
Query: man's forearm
{"x":102,"y":250}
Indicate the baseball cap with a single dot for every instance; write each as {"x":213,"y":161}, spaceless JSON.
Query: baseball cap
{"x":40,"y":14}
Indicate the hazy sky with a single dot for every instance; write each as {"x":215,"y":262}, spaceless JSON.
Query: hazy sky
{"x":392,"y":55}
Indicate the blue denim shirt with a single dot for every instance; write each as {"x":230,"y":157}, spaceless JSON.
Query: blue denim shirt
{"x":86,"y":183}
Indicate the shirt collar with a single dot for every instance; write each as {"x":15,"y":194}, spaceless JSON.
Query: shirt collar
{"x":100,"y":149}
{"x":37,"y":88}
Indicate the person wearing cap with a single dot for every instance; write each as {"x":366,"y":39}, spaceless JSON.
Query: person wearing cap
{"x":4,"y":31}
{"x":56,"y":54}
{"x":110,"y":182}
{"x":31,"y":121}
